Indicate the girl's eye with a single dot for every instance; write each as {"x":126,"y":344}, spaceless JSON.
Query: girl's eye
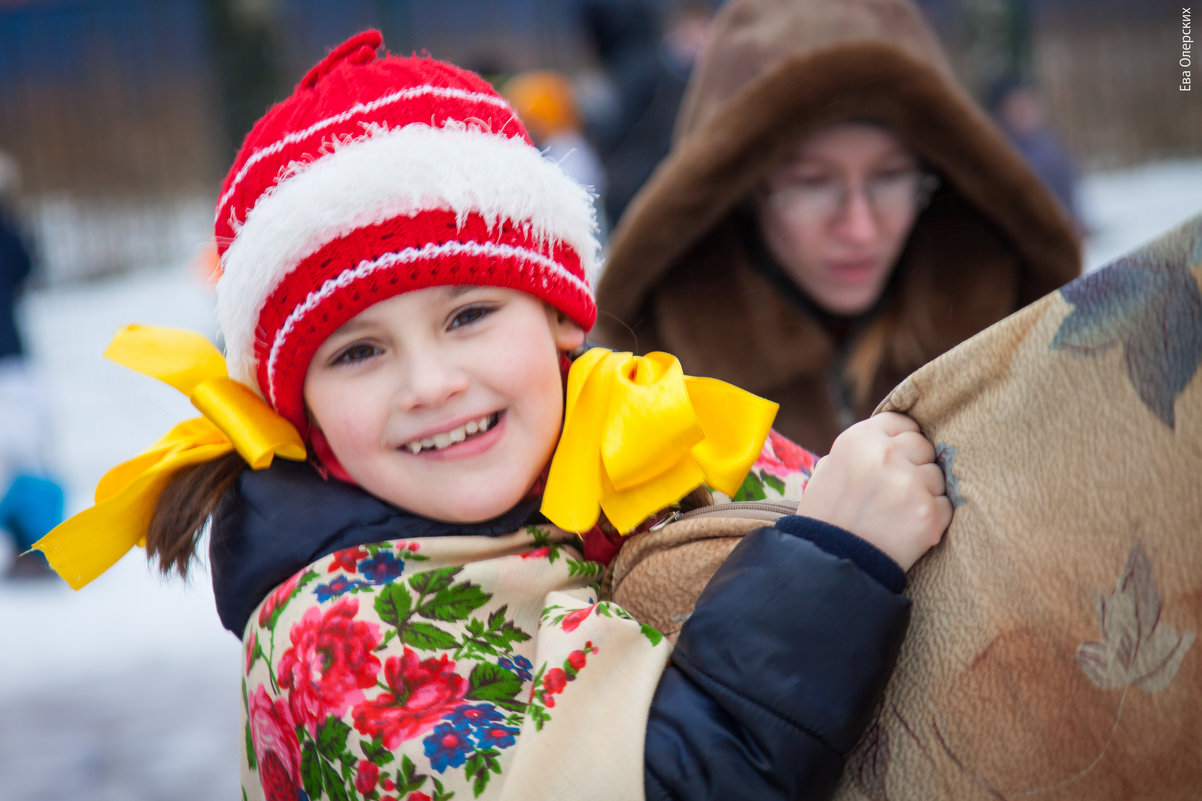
{"x":469,"y":315}
{"x":353,"y":354}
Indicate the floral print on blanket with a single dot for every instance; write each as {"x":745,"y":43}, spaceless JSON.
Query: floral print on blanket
{"x":381,"y":673}
{"x":1148,"y":303}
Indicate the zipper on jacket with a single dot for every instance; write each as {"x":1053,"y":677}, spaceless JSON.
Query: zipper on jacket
{"x":768,"y":511}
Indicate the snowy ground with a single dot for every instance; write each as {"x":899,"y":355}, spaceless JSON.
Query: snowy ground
{"x":129,"y":689}
{"x":1128,"y":207}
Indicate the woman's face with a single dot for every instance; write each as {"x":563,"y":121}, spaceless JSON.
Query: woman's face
{"x":836,"y":212}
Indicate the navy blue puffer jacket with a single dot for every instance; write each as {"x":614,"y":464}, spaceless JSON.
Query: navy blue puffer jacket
{"x":773,"y":678}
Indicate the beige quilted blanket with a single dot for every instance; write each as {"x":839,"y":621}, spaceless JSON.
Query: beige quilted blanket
{"x":1053,"y":651}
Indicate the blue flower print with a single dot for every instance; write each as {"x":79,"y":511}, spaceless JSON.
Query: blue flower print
{"x":476,"y":716}
{"x":337,"y":587}
{"x":382,"y":568}
{"x":495,"y":736}
{"x":447,"y":747}
{"x":519,"y":665}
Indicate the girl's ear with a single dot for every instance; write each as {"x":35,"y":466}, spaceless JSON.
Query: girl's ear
{"x":324,"y":456}
{"x":568,"y":335}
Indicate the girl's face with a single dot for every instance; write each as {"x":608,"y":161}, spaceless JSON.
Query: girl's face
{"x":446,"y":401}
{"x":836,"y":212}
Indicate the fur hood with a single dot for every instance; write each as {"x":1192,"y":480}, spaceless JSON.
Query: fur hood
{"x":678,"y":275}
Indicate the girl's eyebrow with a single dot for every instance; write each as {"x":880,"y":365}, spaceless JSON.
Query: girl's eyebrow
{"x":349,"y":327}
{"x":452,"y":292}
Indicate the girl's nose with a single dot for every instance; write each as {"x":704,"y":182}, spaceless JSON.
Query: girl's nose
{"x":429,"y":379}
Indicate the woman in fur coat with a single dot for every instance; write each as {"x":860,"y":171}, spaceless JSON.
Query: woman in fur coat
{"x":835,"y":212}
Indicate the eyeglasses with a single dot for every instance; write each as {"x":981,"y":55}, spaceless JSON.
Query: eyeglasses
{"x":891,"y":195}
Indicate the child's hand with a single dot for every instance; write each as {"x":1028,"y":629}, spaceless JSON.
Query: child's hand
{"x":881,"y":483}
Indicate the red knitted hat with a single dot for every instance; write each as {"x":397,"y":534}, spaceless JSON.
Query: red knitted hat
{"x":377,"y":177}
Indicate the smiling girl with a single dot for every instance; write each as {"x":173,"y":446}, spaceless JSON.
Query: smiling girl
{"x":403,"y":291}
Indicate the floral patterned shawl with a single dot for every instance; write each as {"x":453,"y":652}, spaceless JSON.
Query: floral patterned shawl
{"x":479,"y":667}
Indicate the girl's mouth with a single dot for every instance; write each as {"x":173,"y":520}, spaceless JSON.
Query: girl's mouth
{"x":445,"y":439}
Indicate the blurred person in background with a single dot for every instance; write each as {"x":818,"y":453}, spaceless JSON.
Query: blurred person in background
{"x":31,"y":502}
{"x":646,"y":58}
{"x":1019,"y":110}
{"x":545,"y":101}
{"x":834,"y":213}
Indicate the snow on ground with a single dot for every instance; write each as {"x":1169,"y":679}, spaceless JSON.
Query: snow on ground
{"x":1125,"y":208}
{"x":129,"y":689}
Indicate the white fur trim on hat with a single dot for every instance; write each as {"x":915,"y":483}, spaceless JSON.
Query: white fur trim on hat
{"x":387,"y":174}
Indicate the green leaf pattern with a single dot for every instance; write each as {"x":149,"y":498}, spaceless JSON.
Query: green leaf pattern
{"x":407,"y":668}
{"x":780,"y":472}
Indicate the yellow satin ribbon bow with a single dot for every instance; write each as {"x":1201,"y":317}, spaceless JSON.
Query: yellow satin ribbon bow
{"x":235,"y":418}
{"x":639,"y":435}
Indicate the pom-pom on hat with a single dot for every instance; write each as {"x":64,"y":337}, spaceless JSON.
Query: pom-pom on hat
{"x":379,"y":176}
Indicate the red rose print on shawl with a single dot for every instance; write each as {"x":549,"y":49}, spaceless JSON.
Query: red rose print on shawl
{"x":782,"y":457}
{"x":330,"y":662}
{"x":422,"y":694}
{"x":277,"y":599}
{"x":276,"y":747}
{"x":555,"y":681}
{"x":573,"y":619}
{"x":367,"y":777}
{"x":251,"y":644}
{"x":347,"y":559}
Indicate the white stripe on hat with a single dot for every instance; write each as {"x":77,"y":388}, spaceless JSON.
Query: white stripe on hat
{"x":402,"y":257}
{"x":385,"y":175}
{"x":359,"y":108}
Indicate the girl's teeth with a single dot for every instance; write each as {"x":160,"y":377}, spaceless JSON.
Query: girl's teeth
{"x":446,"y":438}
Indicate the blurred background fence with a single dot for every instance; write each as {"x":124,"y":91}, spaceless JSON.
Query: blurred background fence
{"x":123,"y":114}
